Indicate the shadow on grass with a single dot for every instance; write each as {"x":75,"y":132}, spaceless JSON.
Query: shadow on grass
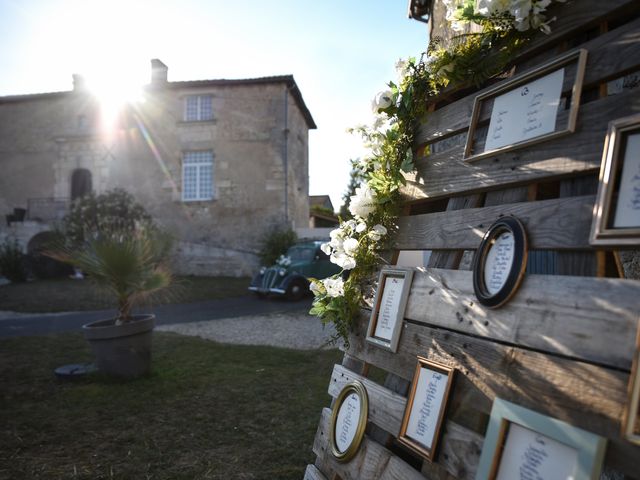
{"x":207,"y":410}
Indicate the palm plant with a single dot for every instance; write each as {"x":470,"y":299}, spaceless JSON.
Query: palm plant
{"x":130,"y":265}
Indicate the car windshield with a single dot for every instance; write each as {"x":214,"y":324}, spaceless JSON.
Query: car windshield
{"x":301,"y":254}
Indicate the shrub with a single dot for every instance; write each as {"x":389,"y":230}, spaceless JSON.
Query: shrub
{"x":275,"y":244}
{"x":12,"y":264}
{"x":115,"y":211}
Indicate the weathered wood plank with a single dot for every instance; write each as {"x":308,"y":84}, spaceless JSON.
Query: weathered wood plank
{"x":312,"y":473}
{"x":565,"y":315}
{"x":372,"y":462}
{"x":609,"y":56}
{"x":579,"y":393}
{"x":447,"y":174}
{"x":562,"y":223}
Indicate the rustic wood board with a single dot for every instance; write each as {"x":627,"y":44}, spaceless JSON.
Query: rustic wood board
{"x":544,"y":383}
{"x":551,"y":224}
{"x":312,"y":473}
{"x":609,"y":56}
{"x":447,"y":174}
{"x":565,"y":315}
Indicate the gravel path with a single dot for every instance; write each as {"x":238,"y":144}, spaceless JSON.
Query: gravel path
{"x":296,"y":330}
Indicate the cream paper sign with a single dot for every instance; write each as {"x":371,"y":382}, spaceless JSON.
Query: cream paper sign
{"x":347,"y":422}
{"x":528,"y":455}
{"x":499,"y":260}
{"x":628,"y":207}
{"x":525,"y":112}
{"x":427,"y":403}
{"x":389,"y":307}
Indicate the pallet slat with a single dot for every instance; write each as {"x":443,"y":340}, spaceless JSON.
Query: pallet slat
{"x":551,"y":224}
{"x":312,"y":473}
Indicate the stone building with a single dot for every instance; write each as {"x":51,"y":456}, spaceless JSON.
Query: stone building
{"x":216,"y":162}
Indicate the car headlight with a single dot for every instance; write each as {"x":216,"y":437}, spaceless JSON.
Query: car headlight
{"x":262,"y":270}
{"x":282,"y":272}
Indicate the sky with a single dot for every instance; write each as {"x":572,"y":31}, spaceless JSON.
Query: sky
{"x":340,"y":52}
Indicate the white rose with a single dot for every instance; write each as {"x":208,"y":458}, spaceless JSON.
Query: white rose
{"x":344,"y":261}
{"x":363,"y":202}
{"x":350,"y":246}
{"x":377,"y":232}
{"x":317,"y":288}
{"x":361,"y":227}
{"x":326,"y":248}
{"x":381,"y":101}
{"x":334,"y":286}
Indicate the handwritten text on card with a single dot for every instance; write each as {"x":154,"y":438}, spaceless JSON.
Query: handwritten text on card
{"x":389,"y":307}
{"x":347,"y":422}
{"x":427,"y":404}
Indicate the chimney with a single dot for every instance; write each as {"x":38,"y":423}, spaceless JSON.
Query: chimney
{"x":158,"y":72}
{"x":79,"y":83}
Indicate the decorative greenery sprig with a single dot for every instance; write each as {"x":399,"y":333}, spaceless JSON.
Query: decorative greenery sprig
{"x":470,"y":59}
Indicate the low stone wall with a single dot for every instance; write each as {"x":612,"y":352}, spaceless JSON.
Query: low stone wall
{"x":205,"y":260}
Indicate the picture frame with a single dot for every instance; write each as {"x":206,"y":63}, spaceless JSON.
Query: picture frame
{"x":500,"y":262}
{"x":616,"y":213}
{"x":518,"y":438}
{"x":526,"y":108}
{"x":631,"y":416}
{"x":349,"y":421}
{"x":426,"y":408}
{"x":389,"y":305}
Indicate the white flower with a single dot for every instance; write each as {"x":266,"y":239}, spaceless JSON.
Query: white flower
{"x":334,"y":286}
{"x":343,"y":260}
{"x":326,"y":248}
{"x":361,"y":227}
{"x":350,"y":246}
{"x":363,"y":202}
{"x":381,"y":101}
{"x":377,"y":232}
{"x":317,"y":288}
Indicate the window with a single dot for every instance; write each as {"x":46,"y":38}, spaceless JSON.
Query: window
{"x":197,"y":108}
{"x":197,"y":176}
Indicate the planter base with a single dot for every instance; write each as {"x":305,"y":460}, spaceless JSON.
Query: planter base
{"x":122,"y":350}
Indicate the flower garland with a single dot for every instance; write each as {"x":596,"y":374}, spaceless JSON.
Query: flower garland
{"x":471,"y":59}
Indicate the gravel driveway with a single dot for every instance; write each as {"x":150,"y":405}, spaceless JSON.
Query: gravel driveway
{"x":296,"y":330}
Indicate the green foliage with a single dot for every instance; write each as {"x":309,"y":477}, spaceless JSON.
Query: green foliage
{"x":12,"y":261}
{"x":319,"y":209}
{"x":276,"y":243}
{"x":130,"y":265}
{"x":98,"y":215}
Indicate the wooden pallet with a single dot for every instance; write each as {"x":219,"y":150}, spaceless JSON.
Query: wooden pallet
{"x":563,"y":345}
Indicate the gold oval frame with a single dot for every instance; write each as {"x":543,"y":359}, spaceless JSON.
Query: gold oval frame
{"x":359,"y":389}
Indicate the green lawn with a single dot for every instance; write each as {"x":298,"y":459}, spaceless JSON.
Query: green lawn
{"x":207,"y":411}
{"x":65,"y":295}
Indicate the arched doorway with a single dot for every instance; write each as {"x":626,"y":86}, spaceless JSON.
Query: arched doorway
{"x":81,"y":183}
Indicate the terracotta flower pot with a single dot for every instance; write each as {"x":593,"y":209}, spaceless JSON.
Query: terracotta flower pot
{"x":122,"y":350}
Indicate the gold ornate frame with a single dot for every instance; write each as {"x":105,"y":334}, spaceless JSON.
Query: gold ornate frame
{"x":359,"y":389}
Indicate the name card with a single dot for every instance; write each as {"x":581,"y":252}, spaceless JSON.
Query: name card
{"x":628,"y":207}
{"x":526,"y":112}
{"x":529,"y":455}
{"x":347,"y":423}
{"x":498,"y":262}
{"x":426,"y":407}
{"x":389,"y":307}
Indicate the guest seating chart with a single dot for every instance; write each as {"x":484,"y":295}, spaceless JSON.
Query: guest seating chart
{"x":521,"y":443}
{"x":526,"y":109}
{"x":390,"y":302}
{"x":426,"y":407}
{"x":617,"y":211}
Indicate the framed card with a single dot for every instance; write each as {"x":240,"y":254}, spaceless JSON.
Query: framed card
{"x":616,"y":214}
{"x":426,"y":407}
{"x":528,"y":108}
{"x":631,"y":418}
{"x":520,"y":441}
{"x":389,"y":305}
{"x":500,"y":262}
{"x":348,"y":421}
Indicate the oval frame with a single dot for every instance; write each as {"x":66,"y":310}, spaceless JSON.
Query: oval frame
{"x":518,"y":266}
{"x":359,"y":389}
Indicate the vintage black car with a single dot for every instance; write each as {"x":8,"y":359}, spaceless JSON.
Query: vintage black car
{"x":289,"y":276}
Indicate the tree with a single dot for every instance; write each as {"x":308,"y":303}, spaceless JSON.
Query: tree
{"x":356,"y":177}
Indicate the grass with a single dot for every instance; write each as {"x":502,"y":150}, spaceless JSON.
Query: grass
{"x":65,"y":295}
{"x":207,"y":411}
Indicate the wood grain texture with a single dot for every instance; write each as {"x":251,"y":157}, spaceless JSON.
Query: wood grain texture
{"x":584,"y":395}
{"x":312,"y":473}
{"x":447,"y":174}
{"x":550,"y":224}
{"x":565,"y":315}
{"x":609,"y":56}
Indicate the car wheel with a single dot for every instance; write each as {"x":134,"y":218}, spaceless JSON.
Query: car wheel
{"x":297,"y":289}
